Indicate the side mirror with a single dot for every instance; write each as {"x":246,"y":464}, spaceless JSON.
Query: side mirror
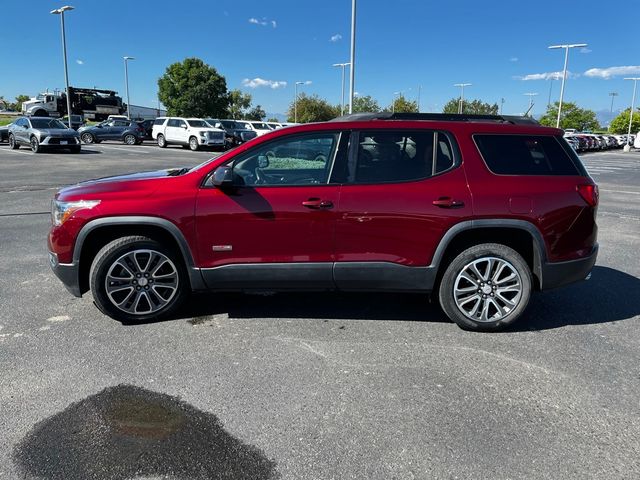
{"x":222,"y":176}
{"x":263,"y":161}
{"x":218,"y":125}
{"x":184,"y":126}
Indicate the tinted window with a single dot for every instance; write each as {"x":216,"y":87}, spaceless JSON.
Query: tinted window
{"x":228,"y":124}
{"x":159,"y":121}
{"x":299,"y":160}
{"x":525,"y":155}
{"x":390,"y":156}
{"x":121,"y":123}
{"x":180,"y":123}
{"x":260,"y":126}
{"x":198,"y":123}
{"x":173,"y":123}
{"x":21,"y":122}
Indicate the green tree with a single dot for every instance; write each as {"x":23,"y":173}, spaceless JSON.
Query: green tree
{"x":364,"y":104}
{"x":620,"y":124}
{"x":239,"y":103}
{"x":256,"y":113}
{"x":192,"y":88}
{"x":401,"y":104}
{"x":572,"y":117}
{"x":312,"y":108}
{"x":473,"y":107}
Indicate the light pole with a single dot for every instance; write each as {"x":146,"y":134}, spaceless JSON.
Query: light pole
{"x":627,"y":147}
{"x":564,"y":72}
{"x":352,"y":70}
{"x":501,"y":104}
{"x":342,"y":65}
{"x":552,"y":78}
{"x":612,"y":95}
{"x":126,"y":82}
{"x":530,"y":95}
{"x":60,"y":11}
{"x":393,"y":102}
{"x":461,"y":85}
{"x":419,"y":92}
{"x":295,"y":102}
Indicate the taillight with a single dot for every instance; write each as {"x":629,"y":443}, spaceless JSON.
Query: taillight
{"x":589,"y":193}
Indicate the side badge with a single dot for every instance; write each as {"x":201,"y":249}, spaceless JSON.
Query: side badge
{"x":221,"y":248}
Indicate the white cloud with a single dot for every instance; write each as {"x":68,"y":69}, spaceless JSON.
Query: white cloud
{"x":264,"y":22}
{"x":585,"y":50}
{"x":261,"y":82}
{"x":545,"y":76}
{"x":607,"y":73}
{"x":79,"y":62}
{"x":514,"y":59}
{"x":336,"y":38}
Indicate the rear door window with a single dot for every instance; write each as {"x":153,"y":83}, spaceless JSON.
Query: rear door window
{"x":526,"y":155}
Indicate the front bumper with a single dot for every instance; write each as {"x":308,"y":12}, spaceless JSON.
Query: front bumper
{"x":67,"y":273}
{"x":559,"y":274}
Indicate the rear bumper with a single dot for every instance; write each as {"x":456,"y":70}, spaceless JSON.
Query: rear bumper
{"x":67,"y":273}
{"x":563,"y":273}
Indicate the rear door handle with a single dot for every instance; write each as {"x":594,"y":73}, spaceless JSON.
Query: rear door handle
{"x":317,"y":203}
{"x":448,"y":202}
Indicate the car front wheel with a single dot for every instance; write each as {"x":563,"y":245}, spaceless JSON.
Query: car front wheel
{"x":486,"y":287}
{"x":35,"y":145}
{"x":87,"y":138}
{"x":13,"y":145}
{"x":136,"y":279}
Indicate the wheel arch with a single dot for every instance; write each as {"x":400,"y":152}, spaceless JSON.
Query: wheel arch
{"x":520,"y":235}
{"x":97,"y":233}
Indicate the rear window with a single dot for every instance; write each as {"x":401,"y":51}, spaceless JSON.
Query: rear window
{"x":159,"y":121}
{"x":525,"y":155}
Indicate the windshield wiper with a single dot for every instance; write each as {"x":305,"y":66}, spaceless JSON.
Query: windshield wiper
{"x":177,"y":172}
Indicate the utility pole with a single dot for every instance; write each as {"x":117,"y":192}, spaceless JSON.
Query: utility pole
{"x":126,"y":81}
{"x":419,"y":91}
{"x":501,"y":104}
{"x":353,"y":55}
{"x":627,"y":147}
{"x":612,"y":95}
{"x":530,"y":95}
{"x":342,"y":65}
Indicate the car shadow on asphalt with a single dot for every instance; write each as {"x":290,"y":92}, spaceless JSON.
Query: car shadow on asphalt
{"x":609,"y":296}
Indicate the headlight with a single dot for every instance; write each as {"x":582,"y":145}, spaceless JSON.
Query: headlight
{"x":61,"y":211}
{"x":203,"y":134}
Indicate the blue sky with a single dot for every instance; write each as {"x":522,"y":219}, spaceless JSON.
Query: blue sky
{"x":401,"y":44}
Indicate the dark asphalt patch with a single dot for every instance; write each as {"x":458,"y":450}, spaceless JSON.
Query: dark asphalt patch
{"x":125,"y":432}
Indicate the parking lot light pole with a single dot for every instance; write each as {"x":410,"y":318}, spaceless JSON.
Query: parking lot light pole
{"x":564,"y":72}
{"x":352,"y":62}
{"x":627,"y":147}
{"x":126,"y":82}
{"x":342,"y":65}
{"x":461,"y":85}
{"x":60,"y":11}
{"x":295,"y":101}
{"x":612,"y":95}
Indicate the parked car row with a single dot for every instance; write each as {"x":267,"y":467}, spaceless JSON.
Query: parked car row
{"x":586,"y":142}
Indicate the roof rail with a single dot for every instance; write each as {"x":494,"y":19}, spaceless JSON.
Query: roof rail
{"x":437,"y":117}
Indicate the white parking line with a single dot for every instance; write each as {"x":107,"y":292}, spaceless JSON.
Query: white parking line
{"x":114,"y":147}
{"x":23,"y":152}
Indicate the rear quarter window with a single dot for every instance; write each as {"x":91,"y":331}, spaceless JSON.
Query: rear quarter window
{"x":159,"y":121}
{"x":527,"y":155}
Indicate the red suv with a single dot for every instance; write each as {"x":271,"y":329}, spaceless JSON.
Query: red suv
{"x":478,"y":211}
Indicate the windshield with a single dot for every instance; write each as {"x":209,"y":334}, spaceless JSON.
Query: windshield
{"x":46,"y":123}
{"x":228,"y":124}
{"x":260,"y":126}
{"x":242,"y":125}
{"x":198,"y":123}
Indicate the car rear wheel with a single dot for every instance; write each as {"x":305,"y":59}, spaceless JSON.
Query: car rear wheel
{"x":486,"y":287}
{"x":13,"y":145}
{"x":193,"y":144}
{"x":130,"y":139}
{"x":87,"y":138}
{"x":161,"y":141}
{"x":136,"y":279}
{"x":35,"y":145}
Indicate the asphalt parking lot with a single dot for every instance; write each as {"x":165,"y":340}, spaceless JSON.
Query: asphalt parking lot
{"x":311,"y":386}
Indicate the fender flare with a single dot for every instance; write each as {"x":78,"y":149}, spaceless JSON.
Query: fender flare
{"x":171,"y":228}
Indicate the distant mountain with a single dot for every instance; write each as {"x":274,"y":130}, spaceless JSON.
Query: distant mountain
{"x":605,"y":116}
{"x":280,"y":116}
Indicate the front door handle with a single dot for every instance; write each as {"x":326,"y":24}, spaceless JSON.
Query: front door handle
{"x":448,"y":202}
{"x":317,"y":203}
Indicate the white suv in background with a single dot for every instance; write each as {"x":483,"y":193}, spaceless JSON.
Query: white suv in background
{"x":259,"y":127}
{"x":191,"y":132}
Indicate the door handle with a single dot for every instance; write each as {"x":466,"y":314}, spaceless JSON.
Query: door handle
{"x":317,"y":203}
{"x":448,"y":202}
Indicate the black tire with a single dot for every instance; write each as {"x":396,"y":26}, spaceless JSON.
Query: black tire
{"x":130,"y":139}
{"x":13,"y":145}
{"x":162,"y":143}
{"x":115,"y":254}
{"x":499,"y":314}
{"x":88,"y":138}
{"x":193,"y":144}
{"x":35,"y":144}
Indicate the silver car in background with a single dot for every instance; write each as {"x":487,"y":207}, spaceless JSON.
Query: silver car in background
{"x":41,"y":133}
